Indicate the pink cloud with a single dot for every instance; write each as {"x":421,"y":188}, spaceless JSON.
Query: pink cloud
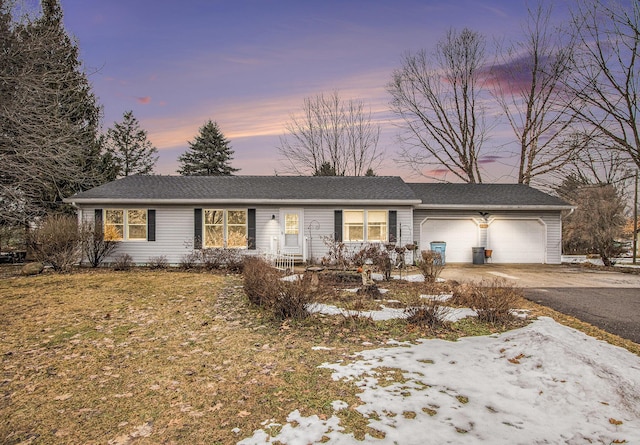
{"x":143,"y":100}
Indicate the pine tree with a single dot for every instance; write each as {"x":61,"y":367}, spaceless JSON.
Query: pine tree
{"x":129,"y":147}
{"x":208,"y":155}
{"x":49,"y":117}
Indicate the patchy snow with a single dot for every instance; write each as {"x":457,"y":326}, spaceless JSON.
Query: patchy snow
{"x":543,"y":383}
{"x":387,"y":313}
{"x":443,"y":297}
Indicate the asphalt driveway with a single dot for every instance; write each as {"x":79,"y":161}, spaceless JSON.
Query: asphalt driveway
{"x":607,"y":299}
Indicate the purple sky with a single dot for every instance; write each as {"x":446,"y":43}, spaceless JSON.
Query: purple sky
{"x":248,"y":65}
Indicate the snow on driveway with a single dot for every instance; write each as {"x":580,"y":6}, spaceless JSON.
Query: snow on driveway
{"x":542,"y":384}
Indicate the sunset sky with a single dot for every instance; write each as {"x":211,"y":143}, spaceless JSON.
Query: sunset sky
{"x":248,"y":65}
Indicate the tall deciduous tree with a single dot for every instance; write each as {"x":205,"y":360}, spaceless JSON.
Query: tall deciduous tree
{"x":597,"y":221}
{"x":528,"y":83}
{"x":129,"y":147}
{"x":607,"y":78}
{"x":49,"y":117}
{"x":438,"y":100}
{"x":208,"y":155}
{"x":331,"y":137}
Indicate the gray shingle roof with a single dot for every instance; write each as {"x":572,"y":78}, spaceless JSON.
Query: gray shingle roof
{"x":310,"y":189}
{"x":250,"y":188}
{"x":486,"y":195}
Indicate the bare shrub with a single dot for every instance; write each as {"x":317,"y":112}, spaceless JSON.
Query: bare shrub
{"x":219,"y":258}
{"x":376,"y":255}
{"x":158,"y":262}
{"x":494,"y":301}
{"x":261,"y":281}
{"x":427,"y":312}
{"x":430,"y":265}
{"x":265,"y":287}
{"x":337,"y":253}
{"x":293,"y":298}
{"x":122,"y":262}
{"x":189,"y":260}
{"x":98,"y":243}
{"x":57,"y":242}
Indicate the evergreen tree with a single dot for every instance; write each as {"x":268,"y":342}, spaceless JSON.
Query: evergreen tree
{"x":49,"y":117}
{"x":129,"y":148}
{"x":326,"y":169}
{"x":208,"y":155}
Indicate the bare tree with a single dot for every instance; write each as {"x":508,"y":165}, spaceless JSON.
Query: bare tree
{"x":598,"y":219}
{"x":331,"y":135}
{"x":528,"y":83}
{"x":438,"y":100}
{"x":606,"y":80}
{"x":48,"y":116}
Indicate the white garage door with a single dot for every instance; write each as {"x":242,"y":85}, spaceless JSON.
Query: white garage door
{"x":517,"y":241}
{"x":459,"y":234}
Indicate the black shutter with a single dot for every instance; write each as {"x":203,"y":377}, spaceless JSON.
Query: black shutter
{"x":251,"y":229}
{"x":197,"y":228}
{"x":151,"y":225}
{"x":393,"y":226}
{"x":97,"y":220}
{"x":337,"y":226}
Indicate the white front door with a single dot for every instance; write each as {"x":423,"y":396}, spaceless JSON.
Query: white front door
{"x":291,"y":231}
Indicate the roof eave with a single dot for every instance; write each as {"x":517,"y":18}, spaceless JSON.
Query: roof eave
{"x":229,"y":201}
{"x":493,"y":207}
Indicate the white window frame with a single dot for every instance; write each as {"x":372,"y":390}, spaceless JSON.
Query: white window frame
{"x":225,"y":228}
{"x":125,"y":224}
{"x":346,"y":226}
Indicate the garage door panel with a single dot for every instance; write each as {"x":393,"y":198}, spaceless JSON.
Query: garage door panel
{"x":517,"y":241}
{"x":459,"y":234}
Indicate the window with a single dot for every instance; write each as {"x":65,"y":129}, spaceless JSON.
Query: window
{"x":113,"y":224}
{"x":136,"y":224}
{"x":225,"y":228}
{"x":375,"y":222}
{"x":354,"y":225}
{"x":125,"y":225}
{"x":376,"y":225}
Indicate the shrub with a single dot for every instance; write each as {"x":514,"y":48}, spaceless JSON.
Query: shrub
{"x":261,"y":281}
{"x":57,"y":242}
{"x":158,"y":262}
{"x":337,"y":253}
{"x":97,"y":243}
{"x":123,"y":262}
{"x":427,"y":312}
{"x":265,"y":287}
{"x":218,"y":258}
{"x":189,"y":260}
{"x":292,"y":299}
{"x":430,"y":265}
{"x":376,"y":255}
{"x":494,"y":301}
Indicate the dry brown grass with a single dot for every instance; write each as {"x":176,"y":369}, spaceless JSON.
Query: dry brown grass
{"x":175,"y":357}
{"x":164,"y":357}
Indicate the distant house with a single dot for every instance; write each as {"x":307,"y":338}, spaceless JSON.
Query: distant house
{"x":173,"y":215}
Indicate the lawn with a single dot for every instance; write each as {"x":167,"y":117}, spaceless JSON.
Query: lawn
{"x":172,"y":357}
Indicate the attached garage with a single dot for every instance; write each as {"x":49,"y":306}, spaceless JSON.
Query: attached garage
{"x":517,"y":241}
{"x":518,"y":223}
{"x":460,"y":234}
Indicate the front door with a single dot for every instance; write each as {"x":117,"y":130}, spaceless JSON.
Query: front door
{"x":291,"y":231}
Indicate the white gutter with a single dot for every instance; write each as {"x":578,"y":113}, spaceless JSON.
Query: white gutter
{"x":397,"y":202}
{"x":491,"y":207}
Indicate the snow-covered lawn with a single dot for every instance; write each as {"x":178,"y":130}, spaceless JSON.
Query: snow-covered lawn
{"x":541,"y":384}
